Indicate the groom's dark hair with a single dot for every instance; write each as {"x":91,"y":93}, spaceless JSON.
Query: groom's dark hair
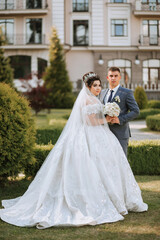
{"x":114,"y":69}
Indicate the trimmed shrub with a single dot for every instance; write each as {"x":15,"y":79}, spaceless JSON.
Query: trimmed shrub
{"x":144,"y":157}
{"x":141,"y":97}
{"x":40,"y":153}
{"x":17,"y":132}
{"x":153,"y":122}
{"x":147,"y":112}
{"x":153,"y":104}
{"x":48,"y":135}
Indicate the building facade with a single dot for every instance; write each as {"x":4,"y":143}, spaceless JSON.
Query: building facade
{"x":104,"y":33}
{"x":26,"y":25}
{"x":96,"y":35}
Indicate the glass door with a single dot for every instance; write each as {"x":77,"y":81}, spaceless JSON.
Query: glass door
{"x":153,"y":32}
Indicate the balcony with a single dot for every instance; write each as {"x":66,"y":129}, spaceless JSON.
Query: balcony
{"x":151,"y":42}
{"x":80,"y":7}
{"x":22,"y":41}
{"x":146,"y":9}
{"x":25,"y":7}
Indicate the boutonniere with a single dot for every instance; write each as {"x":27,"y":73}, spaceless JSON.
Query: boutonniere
{"x":117,"y":99}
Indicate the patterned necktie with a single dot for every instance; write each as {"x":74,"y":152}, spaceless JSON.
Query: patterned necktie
{"x":110,"y":96}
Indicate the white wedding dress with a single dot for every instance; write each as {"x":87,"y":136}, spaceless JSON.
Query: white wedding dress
{"x":85,"y":180}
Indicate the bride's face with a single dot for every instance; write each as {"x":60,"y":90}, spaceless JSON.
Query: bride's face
{"x":95,"y":88}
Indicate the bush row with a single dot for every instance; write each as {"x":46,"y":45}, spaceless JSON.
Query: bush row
{"x":143,"y":156}
{"x":147,"y":112}
{"x":153,"y":104}
{"x":153,"y":122}
{"x":48,"y":135}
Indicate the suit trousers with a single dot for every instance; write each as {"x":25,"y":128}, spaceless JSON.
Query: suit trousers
{"x":124,"y":144}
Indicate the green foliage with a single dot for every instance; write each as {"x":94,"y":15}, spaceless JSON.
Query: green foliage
{"x":17,"y":132}
{"x":153,"y":122}
{"x":147,"y":112}
{"x":56,"y":77}
{"x":153,"y":104}
{"x":141,"y":97}
{"x":144,"y":157}
{"x":48,"y":135}
{"x":40,"y":153}
{"x":6,"y":72}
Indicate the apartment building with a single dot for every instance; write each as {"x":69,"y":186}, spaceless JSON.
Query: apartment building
{"x":26,"y":25}
{"x":98,"y":34}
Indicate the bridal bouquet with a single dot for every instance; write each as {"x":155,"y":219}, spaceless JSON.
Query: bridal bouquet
{"x":111,"y":109}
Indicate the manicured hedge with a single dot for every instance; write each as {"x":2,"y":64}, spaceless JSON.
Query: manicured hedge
{"x":17,"y":132}
{"x":141,"y":97}
{"x":153,"y":104}
{"x":40,"y":153}
{"x":143,"y":156}
{"x":153,"y":122}
{"x":48,"y":135}
{"x":147,"y":112}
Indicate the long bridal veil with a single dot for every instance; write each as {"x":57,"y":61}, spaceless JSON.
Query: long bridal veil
{"x":85,"y":179}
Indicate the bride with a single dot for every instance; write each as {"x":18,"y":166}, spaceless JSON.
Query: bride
{"x":85,"y":180}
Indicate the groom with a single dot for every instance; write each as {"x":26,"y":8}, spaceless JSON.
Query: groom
{"x":125,"y":99}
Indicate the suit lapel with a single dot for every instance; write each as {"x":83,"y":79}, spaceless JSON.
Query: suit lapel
{"x":118,"y":93}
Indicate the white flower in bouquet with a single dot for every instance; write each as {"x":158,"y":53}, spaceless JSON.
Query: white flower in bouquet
{"x":111,"y":109}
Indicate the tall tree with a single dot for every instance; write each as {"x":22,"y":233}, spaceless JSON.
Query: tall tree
{"x":6,"y":72}
{"x":56,"y":76}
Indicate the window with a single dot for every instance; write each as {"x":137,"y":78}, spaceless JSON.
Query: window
{"x":42,"y":64}
{"x":8,"y":29}
{"x":150,"y":1}
{"x":118,"y":1}
{"x":32,"y":4}
{"x":151,"y":29}
{"x":151,"y":71}
{"x":125,"y":67}
{"x":80,"y":32}
{"x":6,"y":4}
{"x":80,"y":6}
{"x":34,"y":30}
{"x":21,"y":66}
{"x":119,"y":27}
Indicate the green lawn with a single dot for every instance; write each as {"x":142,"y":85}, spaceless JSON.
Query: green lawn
{"x":56,"y":117}
{"x":136,"y":226}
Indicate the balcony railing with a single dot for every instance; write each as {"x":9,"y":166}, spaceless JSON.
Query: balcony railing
{"x":149,"y":7}
{"x":23,"y":5}
{"x":153,"y":40}
{"x":147,"y":86}
{"x":80,"y":7}
{"x":22,"y":39}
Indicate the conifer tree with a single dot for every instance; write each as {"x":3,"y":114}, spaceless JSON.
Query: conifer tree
{"x":56,"y":76}
{"x":6,"y":72}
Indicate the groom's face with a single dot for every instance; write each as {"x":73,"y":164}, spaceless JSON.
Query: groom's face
{"x":113,"y":79}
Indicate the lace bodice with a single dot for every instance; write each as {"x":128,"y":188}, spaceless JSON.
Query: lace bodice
{"x":92,"y":109}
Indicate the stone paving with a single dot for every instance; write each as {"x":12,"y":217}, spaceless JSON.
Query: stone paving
{"x":138,"y":134}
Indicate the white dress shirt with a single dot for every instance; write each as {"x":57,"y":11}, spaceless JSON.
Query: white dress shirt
{"x":109,"y":92}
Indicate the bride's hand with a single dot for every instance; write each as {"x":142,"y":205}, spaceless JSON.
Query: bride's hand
{"x":109,"y":118}
{"x":115,"y":120}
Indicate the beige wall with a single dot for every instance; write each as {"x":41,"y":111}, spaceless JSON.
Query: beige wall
{"x":79,"y":63}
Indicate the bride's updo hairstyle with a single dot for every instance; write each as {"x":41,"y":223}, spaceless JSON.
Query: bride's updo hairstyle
{"x":89,"y":78}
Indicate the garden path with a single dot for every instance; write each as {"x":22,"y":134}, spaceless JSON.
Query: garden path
{"x":138,"y":134}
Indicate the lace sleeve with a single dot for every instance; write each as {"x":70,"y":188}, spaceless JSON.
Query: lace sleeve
{"x":91,"y":109}
{"x":92,"y":115}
